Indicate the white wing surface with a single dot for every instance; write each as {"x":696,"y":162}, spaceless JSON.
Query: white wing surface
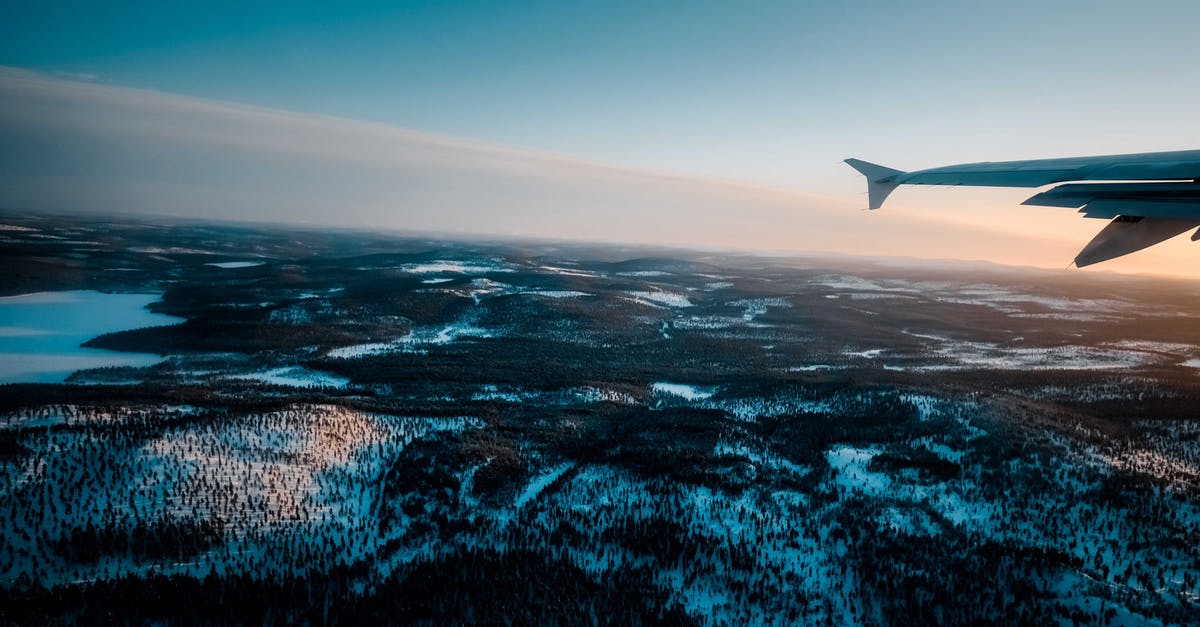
{"x":1150,"y":197}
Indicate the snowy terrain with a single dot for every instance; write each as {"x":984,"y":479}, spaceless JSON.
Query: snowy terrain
{"x":470,"y":433}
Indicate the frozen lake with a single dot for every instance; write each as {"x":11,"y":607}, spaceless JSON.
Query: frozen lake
{"x":41,"y":333}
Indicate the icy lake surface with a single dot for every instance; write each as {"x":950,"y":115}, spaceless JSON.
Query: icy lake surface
{"x":41,"y":333}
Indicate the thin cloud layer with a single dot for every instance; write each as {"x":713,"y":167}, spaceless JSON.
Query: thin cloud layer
{"x":81,"y":146}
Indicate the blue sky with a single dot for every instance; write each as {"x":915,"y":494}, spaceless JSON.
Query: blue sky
{"x":769,"y":94}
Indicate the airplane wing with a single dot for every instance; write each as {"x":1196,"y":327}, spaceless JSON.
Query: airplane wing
{"x":1150,"y":197}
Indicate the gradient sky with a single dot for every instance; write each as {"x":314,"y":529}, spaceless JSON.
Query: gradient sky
{"x":765,"y":94}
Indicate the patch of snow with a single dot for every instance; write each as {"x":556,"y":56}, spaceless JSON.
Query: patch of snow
{"x":762,"y":458}
{"x":872,"y":296}
{"x":447,"y":334}
{"x":539,"y":483}
{"x":910,"y":521}
{"x":644,"y":273}
{"x":1066,"y":357}
{"x":363,"y":350}
{"x":1070,"y":317}
{"x":1017,"y":304}
{"x":850,"y":463}
{"x":670,"y":299}
{"x":495,"y":393}
{"x":929,"y":336}
{"x":959,"y":511}
{"x":304,"y":464}
{"x":172,"y":250}
{"x":556,"y":293}
{"x":758,"y":306}
{"x":788,"y":402}
{"x":598,"y":395}
{"x":688,"y":392}
{"x":926,"y":405}
{"x":853,"y":283}
{"x":570,"y":271}
{"x":414,"y":341}
{"x":706,"y":322}
{"x":295,"y":376}
{"x":230,"y":265}
{"x":1170,"y":348}
{"x":941,"y":449}
{"x":1131,"y":389}
{"x":461,"y":267}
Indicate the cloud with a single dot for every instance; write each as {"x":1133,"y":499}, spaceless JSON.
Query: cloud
{"x":77,"y":76}
{"x":82,"y":146}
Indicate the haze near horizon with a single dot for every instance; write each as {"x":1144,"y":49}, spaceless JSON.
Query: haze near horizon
{"x":707,"y":126}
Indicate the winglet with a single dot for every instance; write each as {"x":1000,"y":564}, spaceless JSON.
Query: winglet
{"x":880,"y":180}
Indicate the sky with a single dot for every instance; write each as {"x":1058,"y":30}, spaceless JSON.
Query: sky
{"x":713,"y":124}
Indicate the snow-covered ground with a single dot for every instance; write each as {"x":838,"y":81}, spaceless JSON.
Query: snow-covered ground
{"x":282,"y":485}
{"x":571,"y":271}
{"x":415,"y":340}
{"x":813,"y":368}
{"x":870,"y":353}
{"x":362,"y":350}
{"x":565,"y":396}
{"x":779,"y":403}
{"x":295,"y":376}
{"x":556,"y":293}
{"x":286,"y":482}
{"x":644,"y":273}
{"x":755,"y":307}
{"x":539,"y":483}
{"x":1005,"y":299}
{"x":706,"y":322}
{"x":850,"y":464}
{"x":669,"y":299}
{"x":683,"y":390}
{"x":461,"y":267}
{"x":965,"y":355}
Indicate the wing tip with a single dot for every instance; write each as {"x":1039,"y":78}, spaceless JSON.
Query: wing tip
{"x":881,"y":180}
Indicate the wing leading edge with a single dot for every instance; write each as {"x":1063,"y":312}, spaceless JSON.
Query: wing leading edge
{"x":1150,"y":197}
